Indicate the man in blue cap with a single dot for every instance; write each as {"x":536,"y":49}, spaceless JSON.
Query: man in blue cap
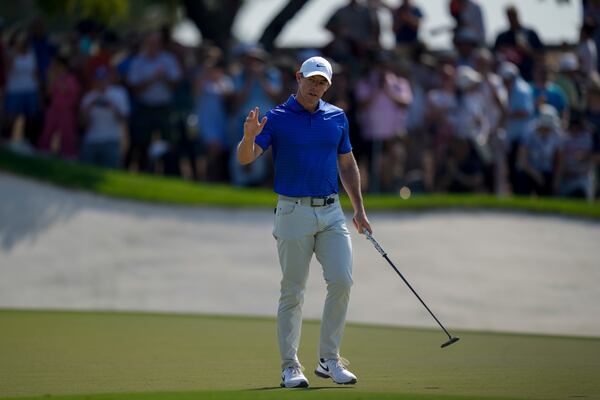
{"x":310,"y":143}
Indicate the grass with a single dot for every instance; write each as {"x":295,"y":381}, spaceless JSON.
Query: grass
{"x":156,"y":189}
{"x":119,"y":356}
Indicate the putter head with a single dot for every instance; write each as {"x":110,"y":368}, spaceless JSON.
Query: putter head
{"x":450,"y":341}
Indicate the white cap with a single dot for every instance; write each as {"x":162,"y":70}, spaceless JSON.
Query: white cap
{"x":548,"y":117}
{"x":467,"y":77}
{"x":568,"y":62}
{"x":317,"y":66}
{"x":508,"y":70}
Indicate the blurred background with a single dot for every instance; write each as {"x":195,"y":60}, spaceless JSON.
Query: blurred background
{"x":442,"y":95}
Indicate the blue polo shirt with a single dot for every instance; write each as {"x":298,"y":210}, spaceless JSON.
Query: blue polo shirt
{"x":305,"y":147}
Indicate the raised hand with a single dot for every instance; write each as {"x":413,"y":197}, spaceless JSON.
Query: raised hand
{"x":252,"y":127}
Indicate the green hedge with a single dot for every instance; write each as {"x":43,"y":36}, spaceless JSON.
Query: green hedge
{"x":156,"y":189}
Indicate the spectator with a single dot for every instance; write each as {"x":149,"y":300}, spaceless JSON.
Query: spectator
{"x":568,"y":80}
{"x":592,"y":116}
{"x":538,"y":157}
{"x":60,"y":123}
{"x":587,"y":52}
{"x":442,"y":104}
{"x":2,"y":73}
{"x":472,"y":121}
{"x":407,"y":21}
{"x":495,"y":102}
{"x":126,"y":55}
{"x":212,"y":90}
{"x":102,"y":56}
{"x":469,"y":15}
{"x":44,"y":50}
{"x":77,"y":59}
{"x":104,"y":110}
{"x":342,"y":95}
{"x":461,"y":171}
{"x":547,"y":92}
{"x":356,"y":25}
{"x":172,"y":46}
{"x":577,"y":162}
{"x":592,"y":111}
{"x":153,"y":75}
{"x":591,"y":15}
{"x":22,"y":95}
{"x":519,"y":112}
{"x":87,"y":31}
{"x":256,"y":85}
{"x":465,"y":42}
{"x":494,"y":93}
{"x":519,"y":44}
{"x":383,"y":97}
{"x":418,"y":145}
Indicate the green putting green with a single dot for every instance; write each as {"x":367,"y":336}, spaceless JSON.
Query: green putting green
{"x":102,"y":356}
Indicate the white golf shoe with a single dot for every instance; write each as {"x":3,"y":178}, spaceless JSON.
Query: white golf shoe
{"x":292,"y":377}
{"x":336,"y":370}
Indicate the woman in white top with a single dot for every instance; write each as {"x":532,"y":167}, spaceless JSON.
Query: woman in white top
{"x":22,"y":82}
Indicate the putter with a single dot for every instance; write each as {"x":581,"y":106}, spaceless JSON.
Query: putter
{"x":451,"y":339}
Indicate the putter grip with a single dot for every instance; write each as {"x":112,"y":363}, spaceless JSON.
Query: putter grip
{"x":375,"y":244}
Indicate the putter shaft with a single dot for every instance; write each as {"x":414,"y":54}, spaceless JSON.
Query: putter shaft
{"x":378,"y":247}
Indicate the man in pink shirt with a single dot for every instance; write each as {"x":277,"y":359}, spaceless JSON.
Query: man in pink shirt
{"x":383,"y":97}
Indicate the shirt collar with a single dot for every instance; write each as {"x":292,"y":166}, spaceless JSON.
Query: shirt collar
{"x":293,"y":104}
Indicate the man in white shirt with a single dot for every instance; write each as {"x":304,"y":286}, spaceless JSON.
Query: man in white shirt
{"x":104,"y":110}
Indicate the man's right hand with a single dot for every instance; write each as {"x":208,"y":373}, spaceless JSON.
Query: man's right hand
{"x":252,"y":127}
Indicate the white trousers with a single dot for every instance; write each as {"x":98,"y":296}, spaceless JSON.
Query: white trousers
{"x":300,"y":231}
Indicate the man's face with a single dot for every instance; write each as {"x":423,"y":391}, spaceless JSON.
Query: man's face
{"x":153,"y":44}
{"x":312,"y":88}
{"x":513,"y":19}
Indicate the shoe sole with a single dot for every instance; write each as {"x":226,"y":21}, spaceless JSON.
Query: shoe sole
{"x":300,"y":385}
{"x":325,"y":376}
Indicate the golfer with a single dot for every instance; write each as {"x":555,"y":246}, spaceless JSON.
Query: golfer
{"x":310,"y":145}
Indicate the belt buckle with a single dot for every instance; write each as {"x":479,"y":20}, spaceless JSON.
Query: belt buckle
{"x":321,"y":201}
{"x":317,"y":201}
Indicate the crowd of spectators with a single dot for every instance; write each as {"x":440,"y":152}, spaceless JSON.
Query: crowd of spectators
{"x":512,"y":116}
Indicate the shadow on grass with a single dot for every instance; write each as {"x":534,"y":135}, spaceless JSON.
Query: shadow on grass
{"x":267,"y":388}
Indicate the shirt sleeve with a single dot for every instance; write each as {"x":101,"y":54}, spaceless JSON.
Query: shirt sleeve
{"x":172,"y":67}
{"x":363,"y":90}
{"x":88,"y":99}
{"x":560,"y":98}
{"x":134,"y":76}
{"x":122,"y":99}
{"x":265,"y":138}
{"x":417,"y":12}
{"x":404,"y":90}
{"x":524,"y":100}
{"x":345,"y":147}
{"x":535,"y":41}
